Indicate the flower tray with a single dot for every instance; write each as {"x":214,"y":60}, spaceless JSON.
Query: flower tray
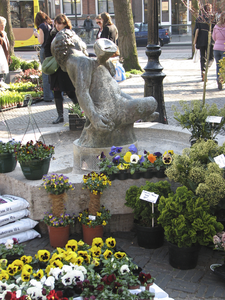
{"x":76,"y":123}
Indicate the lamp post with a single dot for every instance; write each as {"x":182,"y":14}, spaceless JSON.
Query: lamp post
{"x":75,"y":2}
{"x":153,"y":74}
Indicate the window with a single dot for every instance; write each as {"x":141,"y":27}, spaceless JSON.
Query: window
{"x":105,"y":6}
{"x":69,"y":7}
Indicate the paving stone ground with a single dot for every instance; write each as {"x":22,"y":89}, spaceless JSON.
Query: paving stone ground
{"x":182,"y":82}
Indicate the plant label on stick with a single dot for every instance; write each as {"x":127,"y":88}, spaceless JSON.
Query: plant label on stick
{"x":213,"y":119}
{"x":92,"y":218}
{"x":149,"y":196}
{"x":220,"y":160}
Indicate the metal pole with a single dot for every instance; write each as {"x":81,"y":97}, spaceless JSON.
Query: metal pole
{"x":46,"y":7}
{"x":75,"y":2}
{"x":153,"y":75}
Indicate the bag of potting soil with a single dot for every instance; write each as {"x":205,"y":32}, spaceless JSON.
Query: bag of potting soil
{"x":11,"y":217}
{"x":16,"y":227}
{"x":22,"y":236}
{"x":10,"y":203}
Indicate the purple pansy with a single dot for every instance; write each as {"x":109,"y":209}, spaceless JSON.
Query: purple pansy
{"x":157,"y":154}
{"x":133,"y":149}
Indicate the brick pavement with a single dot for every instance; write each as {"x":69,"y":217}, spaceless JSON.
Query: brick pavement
{"x":182,"y":82}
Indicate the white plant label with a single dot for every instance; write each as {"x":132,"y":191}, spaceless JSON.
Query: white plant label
{"x":92,"y":218}
{"x":148,"y":196}
{"x":220,"y":160}
{"x":214,"y":119}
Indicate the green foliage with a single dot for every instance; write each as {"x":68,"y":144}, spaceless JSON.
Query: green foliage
{"x":143,"y":209}
{"x":196,"y":169}
{"x":186,"y":219}
{"x":15,"y":65}
{"x":146,"y":295}
{"x":75,"y":109}
{"x":193,"y":118}
{"x":8,"y":147}
{"x":11,"y":247}
{"x":222,"y":70}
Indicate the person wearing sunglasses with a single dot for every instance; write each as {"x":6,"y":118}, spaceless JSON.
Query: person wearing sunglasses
{"x":98,"y":20}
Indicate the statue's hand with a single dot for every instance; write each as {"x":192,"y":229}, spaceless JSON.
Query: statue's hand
{"x":102,"y":123}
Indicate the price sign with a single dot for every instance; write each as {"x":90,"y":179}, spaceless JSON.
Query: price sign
{"x":148,"y":196}
{"x":214,"y":119}
{"x":92,"y":218}
{"x":220,"y":160}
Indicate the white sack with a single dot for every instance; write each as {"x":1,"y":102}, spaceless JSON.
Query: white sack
{"x":16,"y":227}
{"x":9,"y":204}
{"x":11,"y":217}
{"x":22,"y":236}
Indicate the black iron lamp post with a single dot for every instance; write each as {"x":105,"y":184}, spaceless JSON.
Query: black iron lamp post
{"x":153,"y":74}
{"x":75,"y":2}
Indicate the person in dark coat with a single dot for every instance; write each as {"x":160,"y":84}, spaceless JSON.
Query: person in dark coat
{"x":88,"y":25}
{"x":60,"y":81}
{"x":44,"y":25}
{"x":109,"y":31}
{"x":201,"y":31}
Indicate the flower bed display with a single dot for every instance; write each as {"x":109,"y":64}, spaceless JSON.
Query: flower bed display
{"x":92,"y":272}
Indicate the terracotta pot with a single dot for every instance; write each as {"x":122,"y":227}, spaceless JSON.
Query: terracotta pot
{"x":58,"y":204}
{"x":148,"y":286}
{"x":94,"y":204}
{"x":58,"y":236}
{"x":89,"y":233}
{"x":133,"y":287}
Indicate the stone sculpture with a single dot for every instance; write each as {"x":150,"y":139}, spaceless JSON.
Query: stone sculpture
{"x":110,"y":113}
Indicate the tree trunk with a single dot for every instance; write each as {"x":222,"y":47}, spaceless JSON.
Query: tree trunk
{"x":5,"y":12}
{"x":126,"y":40}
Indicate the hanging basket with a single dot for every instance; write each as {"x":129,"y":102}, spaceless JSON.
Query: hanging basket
{"x":35,"y":169}
{"x":94,"y":204}
{"x":58,"y":204}
{"x":7,"y":162}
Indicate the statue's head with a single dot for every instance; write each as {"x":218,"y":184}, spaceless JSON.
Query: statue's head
{"x":104,"y":49}
{"x":61,"y":46}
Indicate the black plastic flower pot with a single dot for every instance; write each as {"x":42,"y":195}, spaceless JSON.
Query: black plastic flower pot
{"x":150,"y":237}
{"x":35,"y":169}
{"x":123,"y":175}
{"x":136,"y":175}
{"x":149,"y":173}
{"x":161,"y":173}
{"x":7,"y":162}
{"x":184,"y":258}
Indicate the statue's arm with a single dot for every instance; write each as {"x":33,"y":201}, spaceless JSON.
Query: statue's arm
{"x":80,"y":71}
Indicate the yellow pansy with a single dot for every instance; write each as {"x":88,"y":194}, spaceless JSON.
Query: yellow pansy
{"x":72,"y":244}
{"x":25,"y":275}
{"x":39,"y":274}
{"x":98,"y":242}
{"x":107,"y":254}
{"x":110,"y":242}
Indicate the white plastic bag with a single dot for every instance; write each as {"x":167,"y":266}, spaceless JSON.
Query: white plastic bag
{"x":17,"y":226}
{"x":22,"y":236}
{"x":11,"y":217}
{"x":9,"y":203}
{"x":196,"y":56}
{"x":120,"y":72}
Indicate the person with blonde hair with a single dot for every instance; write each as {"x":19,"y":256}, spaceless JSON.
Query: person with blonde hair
{"x":218,"y":36}
{"x":5,"y":58}
{"x":99,"y":22}
{"x":44,"y":25}
{"x":109,"y":31}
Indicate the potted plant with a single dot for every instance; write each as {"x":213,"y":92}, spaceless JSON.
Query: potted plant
{"x":11,"y":250}
{"x":92,"y":226}
{"x":146,"y":295}
{"x":219,"y":242}
{"x":108,"y":166}
{"x":58,"y":228}
{"x":187,"y":224}
{"x":7,"y":156}
{"x":197,"y":169}
{"x":193,"y":117}
{"x":34,"y":159}
{"x":146,"y":279}
{"x":149,"y":234}
{"x":76,"y":117}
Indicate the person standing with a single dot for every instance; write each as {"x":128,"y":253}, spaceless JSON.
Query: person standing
{"x":88,"y":25}
{"x":44,"y":24}
{"x":5,"y":58}
{"x":109,"y":31}
{"x":98,"y":20}
{"x":60,"y":81}
{"x":219,"y":47}
{"x":201,"y":31}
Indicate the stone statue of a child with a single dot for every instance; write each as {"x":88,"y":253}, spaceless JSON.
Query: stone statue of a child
{"x":110,"y":113}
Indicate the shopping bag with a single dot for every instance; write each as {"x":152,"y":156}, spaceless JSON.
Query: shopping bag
{"x":120,"y":72}
{"x":196,"y":56}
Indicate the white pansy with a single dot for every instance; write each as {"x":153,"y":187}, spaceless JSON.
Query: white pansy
{"x":134,"y":158}
{"x":36,"y":283}
{"x":82,"y":269}
{"x":19,"y":280}
{"x":78,"y":276}
{"x":43,"y":279}
{"x":114,"y":266}
{"x":112,"y":259}
{"x":124,"y":269}
{"x":66,"y":268}
{"x":50,"y":282}
{"x":3,"y":286}
{"x":18,"y":294}
{"x":55,"y":272}
{"x":11,"y":286}
{"x":34,"y":292}
{"x":9,"y":244}
{"x":67,"y":279}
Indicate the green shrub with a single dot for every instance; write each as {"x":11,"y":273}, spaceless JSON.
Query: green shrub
{"x":186,"y":219}
{"x":16,"y":63}
{"x":143,"y":209}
